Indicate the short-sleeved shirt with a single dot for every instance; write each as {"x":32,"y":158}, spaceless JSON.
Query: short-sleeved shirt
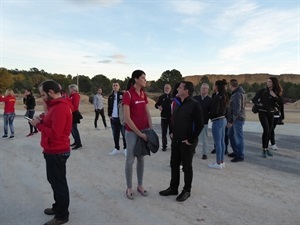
{"x":137,"y":104}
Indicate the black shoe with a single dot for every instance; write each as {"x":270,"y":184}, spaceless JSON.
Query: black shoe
{"x":204,"y":157}
{"x":213,"y":151}
{"x":164,"y":149}
{"x":72,"y":145}
{"x":184,"y":195}
{"x":77,"y":147}
{"x":49,"y":211}
{"x":236,"y":159}
{"x":232,"y":155}
{"x":56,"y":222}
{"x":168,"y":191}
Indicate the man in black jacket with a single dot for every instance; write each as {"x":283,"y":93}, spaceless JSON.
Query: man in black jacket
{"x":187,"y":123}
{"x":113,"y":113}
{"x":164,"y":103}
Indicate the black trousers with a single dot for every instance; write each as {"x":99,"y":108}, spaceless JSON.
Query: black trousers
{"x":266,"y":119}
{"x":56,"y":175}
{"x":116,"y":129}
{"x":165,"y":124}
{"x":182,"y":154}
{"x":97,"y":113}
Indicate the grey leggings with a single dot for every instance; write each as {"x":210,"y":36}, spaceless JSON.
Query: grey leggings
{"x":131,"y":139}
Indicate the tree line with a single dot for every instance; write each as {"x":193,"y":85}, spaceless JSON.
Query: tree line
{"x":19,"y":80}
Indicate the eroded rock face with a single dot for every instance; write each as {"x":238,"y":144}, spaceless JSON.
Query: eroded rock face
{"x":242,"y":78}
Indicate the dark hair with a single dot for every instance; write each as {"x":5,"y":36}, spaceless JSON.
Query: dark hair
{"x":188,"y":86}
{"x":234,"y":83}
{"x":221,"y":89}
{"x":29,"y":90}
{"x":276,"y":86}
{"x":175,"y":91}
{"x":135,"y":75}
{"x":50,"y":85}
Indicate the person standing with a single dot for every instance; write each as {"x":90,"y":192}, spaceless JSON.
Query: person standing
{"x":29,"y":105}
{"x":114,"y":100}
{"x":9,"y":100}
{"x":217,"y":115}
{"x":278,"y":120}
{"x":137,"y":119}
{"x":75,"y":99}
{"x":236,"y":120}
{"x":266,"y":99}
{"x":55,"y":128}
{"x":187,"y":125}
{"x":99,"y":108}
{"x":205,"y":102}
{"x":164,"y":103}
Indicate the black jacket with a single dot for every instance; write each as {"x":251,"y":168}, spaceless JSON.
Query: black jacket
{"x":165,"y":100}
{"x":205,"y":105}
{"x":29,"y":101}
{"x":218,"y":108}
{"x":110,"y":102}
{"x":187,"y":120}
{"x":265,"y":101}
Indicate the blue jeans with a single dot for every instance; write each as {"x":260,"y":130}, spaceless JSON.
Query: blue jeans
{"x":8,"y":119}
{"x":218,"y":132}
{"x":236,"y":136}
{"x":117,"y":127}
{"x":75,"y":134}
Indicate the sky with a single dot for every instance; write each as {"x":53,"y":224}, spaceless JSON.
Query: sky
{"x":116,"y":37}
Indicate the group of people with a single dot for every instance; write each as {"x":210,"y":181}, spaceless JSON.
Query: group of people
{"x":185,"y":115}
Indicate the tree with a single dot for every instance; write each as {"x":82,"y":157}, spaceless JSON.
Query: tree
{"x":169,"y":76}
{"x":101,"y":81}
{"x":7,"y":80}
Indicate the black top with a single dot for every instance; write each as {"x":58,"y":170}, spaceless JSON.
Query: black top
{"x":29,"y":101}
{"x":218,"y":108}
{"x":110,"y":101}
{"x":205,"y":105}
{"x":165,"y":100}
{"x":265,"y":101}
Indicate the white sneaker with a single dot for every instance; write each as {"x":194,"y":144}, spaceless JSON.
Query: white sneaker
{"x":125,"y":151}
{"x":181,"y":167}
{"x":115,"y":152}
{"x":223,"y":165}
{"x":274,"y":147}
{"x":215,"y":166}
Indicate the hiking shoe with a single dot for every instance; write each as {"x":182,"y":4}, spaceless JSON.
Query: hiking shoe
{"x":49,"y":211}
{"x":168,"y":192}
{"x":56,"y":222}
{"x":184,"y":195}
{"x":274,"y":147}
{"x":115,"y":152}
{"x":4,"y":136}
{"x":269,"y":153}
{"x":215,"y":166}
{"x":11,"y":137}
{"x":264,"y":154}
{"x":204,"y":157}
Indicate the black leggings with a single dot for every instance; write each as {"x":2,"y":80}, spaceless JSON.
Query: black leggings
{"x":266,"y":119}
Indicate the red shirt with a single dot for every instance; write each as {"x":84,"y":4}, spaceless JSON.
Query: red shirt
{"x":56,"y":127}
{"x":137,"y":104}
{"x":9,"y":103}
{"x":75,"y":99}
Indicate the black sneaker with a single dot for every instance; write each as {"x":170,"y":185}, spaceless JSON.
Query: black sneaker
{"x":236,"y":159}
{"x":4,"y":136}
{"x":56,"y":222}
{"x":184,"y":195}
{"x":77,"y":147}
{"x":11,"y":137}
{"x":72,"y":145}
{"x":164,"y":149}
{"x":213,"y":151}
{"x":231,"y":155}
{"x":204,"y":157}
{"x":49,"y":211}
{"x":168,"y":191}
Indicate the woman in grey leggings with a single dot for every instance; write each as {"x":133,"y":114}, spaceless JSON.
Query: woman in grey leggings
{"x":137,"y":118}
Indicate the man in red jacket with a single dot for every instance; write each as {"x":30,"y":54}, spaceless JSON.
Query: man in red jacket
{"x":55,"y":130}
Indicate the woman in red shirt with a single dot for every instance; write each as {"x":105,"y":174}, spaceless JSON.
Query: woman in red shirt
{"x":9,"y":112}
{"x":137,"y":118}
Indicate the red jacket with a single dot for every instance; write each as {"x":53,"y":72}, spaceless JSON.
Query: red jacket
{"x":75,"y":98}
{"x":56,"y":127}
{"x":9,"y":106}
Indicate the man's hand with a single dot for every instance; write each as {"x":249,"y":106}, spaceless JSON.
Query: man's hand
{"x":186,"y":142}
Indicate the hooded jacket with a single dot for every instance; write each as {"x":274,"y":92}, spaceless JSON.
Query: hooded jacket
{"x":56,"y":127}
{"x":237,"y":105}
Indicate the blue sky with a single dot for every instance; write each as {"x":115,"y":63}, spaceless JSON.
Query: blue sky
{"x":115,"y":37}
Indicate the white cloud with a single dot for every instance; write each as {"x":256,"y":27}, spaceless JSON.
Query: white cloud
{"x":188,"y":7}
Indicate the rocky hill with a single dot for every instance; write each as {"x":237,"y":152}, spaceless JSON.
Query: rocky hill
{"x":242,"y":78}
